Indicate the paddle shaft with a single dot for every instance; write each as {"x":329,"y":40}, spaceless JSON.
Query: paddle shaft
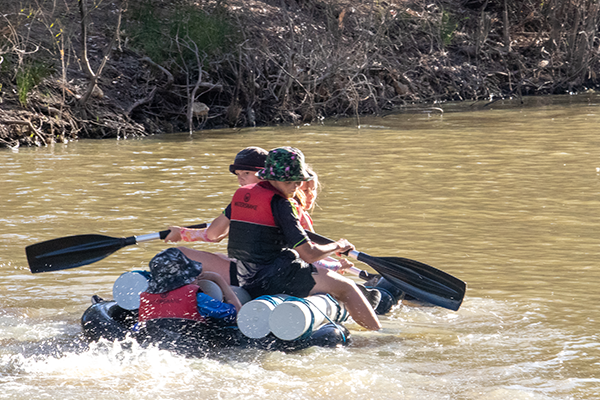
{"x":415,"y":278}
{"x":163,"y":234}
{"x":315,"y":237}
{"x":361,"y":273}
{"x":78,"y":250}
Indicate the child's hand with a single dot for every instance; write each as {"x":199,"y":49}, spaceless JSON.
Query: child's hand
{"x":345,"y":265}
{"x":228,"y":294}
{"x":344,"y":246}
{"x":174,"y":235}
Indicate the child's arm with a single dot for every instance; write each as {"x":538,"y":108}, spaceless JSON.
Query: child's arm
{"x":178,"y":234}
{"x":216,"y":231}
{"x":228,"y":294}
{"x":331,"y":263}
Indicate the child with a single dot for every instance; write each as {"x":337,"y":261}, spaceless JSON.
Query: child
{"x":173,"y":292}
{"x":309,"y":190}
{"x":306,"y":197}
{"x":272,"y":250}
{"x":247,"y":163}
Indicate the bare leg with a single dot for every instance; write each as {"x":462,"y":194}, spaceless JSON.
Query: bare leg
{"x":346,"y":291}
{"x":210,"y":262}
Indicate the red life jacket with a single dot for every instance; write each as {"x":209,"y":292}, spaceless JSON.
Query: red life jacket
{"x":252,"y":203}
{"x":253,"y":235}
{"x":179,"y":303}
{"x":305,"y":219}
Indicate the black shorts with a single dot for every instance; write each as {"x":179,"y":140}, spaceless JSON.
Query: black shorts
{"x":288,"y":274}
{"x":233,"y":280}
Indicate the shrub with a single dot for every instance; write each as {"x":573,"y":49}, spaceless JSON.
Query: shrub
{"x":155,"y":30}
{"x":28,"y":77}
{"x":447,"y":28}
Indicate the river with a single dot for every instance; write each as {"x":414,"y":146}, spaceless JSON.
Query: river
{"x":503,"y":197}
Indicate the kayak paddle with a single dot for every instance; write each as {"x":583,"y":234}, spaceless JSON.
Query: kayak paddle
{"x":78,"y":250}
{"x":415,"y":278}
{"x":75,"y":251}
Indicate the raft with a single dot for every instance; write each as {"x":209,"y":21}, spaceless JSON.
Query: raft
{"x":319,"y":322}
{"x":105,"y":319}
{"x":278,"y":322}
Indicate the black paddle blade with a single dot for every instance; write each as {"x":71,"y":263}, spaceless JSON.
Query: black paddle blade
{"x":72,"y":251}
{"x":419,"y":280}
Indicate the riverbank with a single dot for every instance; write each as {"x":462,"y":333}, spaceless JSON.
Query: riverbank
{"x":127,"y":70}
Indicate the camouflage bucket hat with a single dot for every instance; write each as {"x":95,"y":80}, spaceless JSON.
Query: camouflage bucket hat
{"x":171,"y":269}
{"x":285,"y":164}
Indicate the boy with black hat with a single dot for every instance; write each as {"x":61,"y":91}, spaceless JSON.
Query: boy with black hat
{"x":247,"y":163}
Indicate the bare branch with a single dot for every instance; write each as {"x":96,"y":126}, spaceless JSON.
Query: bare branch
{"x":93,"y":77}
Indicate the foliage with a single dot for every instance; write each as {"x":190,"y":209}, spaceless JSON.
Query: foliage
{"x":28,"y":77}
{"x":447,"y":28}
{"x":155,"y":32}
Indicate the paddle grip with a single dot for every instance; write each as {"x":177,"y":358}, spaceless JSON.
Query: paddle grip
{"x":364,"y":275}
{"x":367,"y":276}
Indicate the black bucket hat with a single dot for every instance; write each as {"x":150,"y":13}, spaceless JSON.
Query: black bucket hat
{"x":171,"y":269}
{"x":249,"y":159}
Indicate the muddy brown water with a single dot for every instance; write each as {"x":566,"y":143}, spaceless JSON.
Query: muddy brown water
{"x":505,"y":198}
